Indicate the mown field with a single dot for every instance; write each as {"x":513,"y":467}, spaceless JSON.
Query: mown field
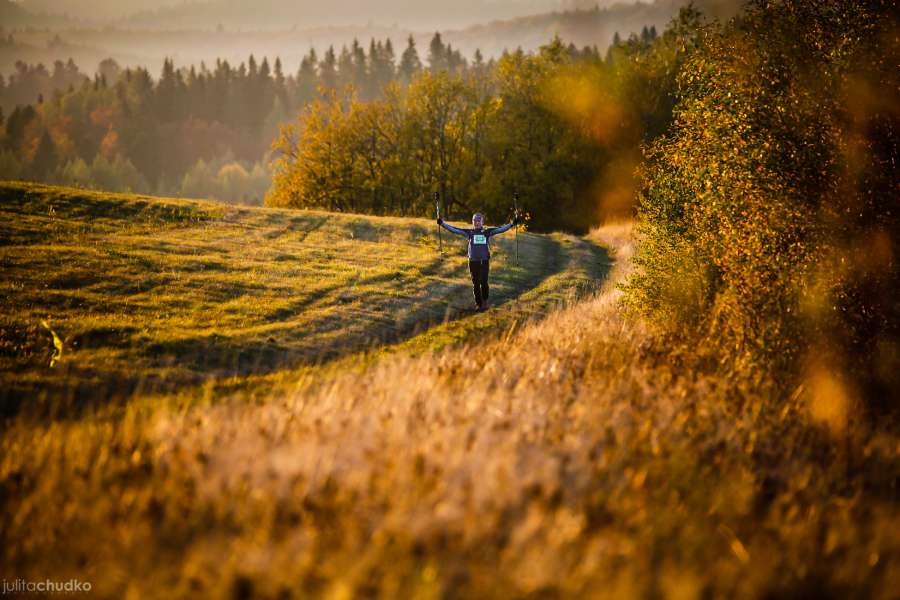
{"x":150,"y":296}
{"x":387,"y":446}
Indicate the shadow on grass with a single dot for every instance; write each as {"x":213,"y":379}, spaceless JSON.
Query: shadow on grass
{"x":69,"y":203}
{"x":74,"y":280}
{"x":297,"y":307}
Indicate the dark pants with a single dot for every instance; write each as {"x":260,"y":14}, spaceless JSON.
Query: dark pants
{"x":479,"y":270}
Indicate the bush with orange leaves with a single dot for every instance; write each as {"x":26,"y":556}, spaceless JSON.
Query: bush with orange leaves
{"x":769,"y":212}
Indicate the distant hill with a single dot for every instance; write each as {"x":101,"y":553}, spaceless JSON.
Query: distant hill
{"x":594,"y":26}
{"x":589,"y":27}
{"x":93,"y":10}
{"x":14,"y":15}
{"x":281,"y":14}
{"x":535,"y":18}
{"x":148,"y":47}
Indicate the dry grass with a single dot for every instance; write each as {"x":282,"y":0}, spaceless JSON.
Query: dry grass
{"x":566,"y":458}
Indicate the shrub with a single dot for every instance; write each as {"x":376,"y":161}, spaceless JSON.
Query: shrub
{"x":769,"y":211}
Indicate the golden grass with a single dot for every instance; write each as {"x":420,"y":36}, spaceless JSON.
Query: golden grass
{"x":567,"y":458}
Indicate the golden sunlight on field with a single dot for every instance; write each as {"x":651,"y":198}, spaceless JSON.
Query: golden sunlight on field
{"x":609,"y":316}
{"x":563,"y":457}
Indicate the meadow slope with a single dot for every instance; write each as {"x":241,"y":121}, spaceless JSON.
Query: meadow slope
{"x":149,"y":295}
{"x":572,"y":455}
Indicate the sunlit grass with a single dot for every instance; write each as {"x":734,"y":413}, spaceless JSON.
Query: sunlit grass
{"x":561,"y":456}
{"x":151,"y":295}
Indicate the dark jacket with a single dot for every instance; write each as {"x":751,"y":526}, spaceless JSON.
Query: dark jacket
{"x":479,"y":239}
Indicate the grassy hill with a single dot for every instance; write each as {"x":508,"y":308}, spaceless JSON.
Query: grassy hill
{"x":550,"y":448}
{"x":149,"y":295}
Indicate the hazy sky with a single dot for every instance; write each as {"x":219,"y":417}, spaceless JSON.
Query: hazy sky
{"x":193,"y":36}
{"x":410,"y":13}
{"x":365,"y":8}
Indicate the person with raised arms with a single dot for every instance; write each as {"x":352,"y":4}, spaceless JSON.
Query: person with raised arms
{"x":479,"y":253}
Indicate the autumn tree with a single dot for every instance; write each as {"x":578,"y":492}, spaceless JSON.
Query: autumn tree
{"x":768,"y":208}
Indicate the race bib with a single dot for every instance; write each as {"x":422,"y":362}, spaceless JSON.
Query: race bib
{"x":479,"y":239}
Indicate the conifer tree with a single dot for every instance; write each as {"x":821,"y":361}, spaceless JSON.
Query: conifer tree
{"x":437,"y":54}
{"x":45,"y":157}
{"x":307,"y":79}
{"x":328,"y":74}
{"x":410,"y":64}
{"x":345,"y":68}
{"x":359,"y":70}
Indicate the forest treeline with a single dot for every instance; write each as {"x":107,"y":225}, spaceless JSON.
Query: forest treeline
{"x":769,"y":211}
{"x":194,"y":131}
{"x":510,"y":123}
{"x":562,"y":127}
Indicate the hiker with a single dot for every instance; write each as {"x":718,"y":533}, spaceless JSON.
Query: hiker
{"x":479,"y":253}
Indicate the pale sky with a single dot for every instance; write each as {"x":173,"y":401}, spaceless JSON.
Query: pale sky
{"x":444,"y":14}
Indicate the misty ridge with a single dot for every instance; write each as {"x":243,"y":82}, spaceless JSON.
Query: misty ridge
{"x":44,"y":31}
{"x":275,"y":13}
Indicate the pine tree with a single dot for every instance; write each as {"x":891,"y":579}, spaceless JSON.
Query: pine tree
{"x":437,"y":54}
{"x":389,"y":55}
{"x":360,"y":72}
{"x":196,"y":92}
{"x":409,"y":61}
{"x":381,"y":66}
{"x":328,"y":74}
{"x":610,"y":52}
{"x":262,"y":94}
{"x":454,"y":60}
{"x":280,"y":83}
{"x":44,"y":163}
{"x":278,"y":73}
{"x":166,"y":93}
{"x":15,"y":126}
{"x":307,"y":79}
{"x":345,"y":68}
{"x":478,"y":65}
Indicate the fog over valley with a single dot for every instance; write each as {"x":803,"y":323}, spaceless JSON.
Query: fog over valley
{"x":145,"y":33}
{"x":304,"y":13}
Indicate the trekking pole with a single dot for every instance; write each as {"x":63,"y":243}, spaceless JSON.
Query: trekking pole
{"x":516,"y":213}
{"x":437,"y":215}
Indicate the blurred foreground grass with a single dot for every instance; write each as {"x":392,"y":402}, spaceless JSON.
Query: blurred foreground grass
{"x":569,"y":456}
